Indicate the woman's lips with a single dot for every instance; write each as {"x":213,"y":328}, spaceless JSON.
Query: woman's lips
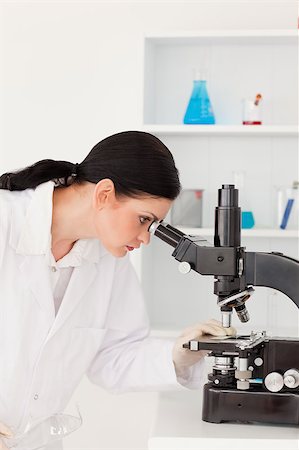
{"x":129,"y":248}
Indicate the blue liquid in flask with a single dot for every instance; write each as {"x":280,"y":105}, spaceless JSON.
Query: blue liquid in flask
{"x":247,"y":219}
{"x":199,"y":109}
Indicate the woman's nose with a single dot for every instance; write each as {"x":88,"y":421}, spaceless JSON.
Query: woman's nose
{"x":145,"y":237}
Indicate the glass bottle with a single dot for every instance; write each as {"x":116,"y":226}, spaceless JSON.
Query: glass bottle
{"x":199,"y":109}
{"x":43,"y":432}
{"x":288,"y":206}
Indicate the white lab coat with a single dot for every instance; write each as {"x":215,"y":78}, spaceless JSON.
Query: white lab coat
{"x":101,"y":328}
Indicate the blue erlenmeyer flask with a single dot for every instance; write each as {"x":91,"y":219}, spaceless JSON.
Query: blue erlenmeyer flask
{"x":199,"y":109}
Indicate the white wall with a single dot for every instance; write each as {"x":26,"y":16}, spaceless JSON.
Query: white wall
{"x":71,"y":74}
{"x":72,"y":71}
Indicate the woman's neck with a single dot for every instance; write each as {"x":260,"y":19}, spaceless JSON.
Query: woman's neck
{"x":71,"y":218}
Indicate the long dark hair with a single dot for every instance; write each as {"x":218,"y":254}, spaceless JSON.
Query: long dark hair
{"x":136,"y":162}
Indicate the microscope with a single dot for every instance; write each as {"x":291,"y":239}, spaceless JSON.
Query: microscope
{"x":255,"y":378}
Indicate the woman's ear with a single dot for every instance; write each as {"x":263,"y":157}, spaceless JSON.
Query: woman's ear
{"x":104,"y":194}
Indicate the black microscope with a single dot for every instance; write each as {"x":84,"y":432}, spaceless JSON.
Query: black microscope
{"x":255,"y":378}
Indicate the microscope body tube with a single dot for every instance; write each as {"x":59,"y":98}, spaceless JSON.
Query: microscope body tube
{"x":227,"y":234}
{"x":227,"y":218}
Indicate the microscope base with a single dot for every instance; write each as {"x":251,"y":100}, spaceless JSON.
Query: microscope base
{"x":225,"y":405}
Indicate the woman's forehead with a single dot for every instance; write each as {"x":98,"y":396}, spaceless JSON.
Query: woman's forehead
{"x":157,"y":206}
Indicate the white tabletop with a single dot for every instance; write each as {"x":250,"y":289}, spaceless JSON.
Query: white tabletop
{"x":178,"y":426}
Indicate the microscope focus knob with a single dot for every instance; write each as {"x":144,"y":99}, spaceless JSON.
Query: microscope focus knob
{"x":243,"y":385}
{"x":184,"y":267}
{"x":291,"y":378}
{"x":274,"y":382}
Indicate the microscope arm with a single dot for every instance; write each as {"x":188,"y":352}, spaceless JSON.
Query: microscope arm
{"x":200,"y":255}
{"x":235,"y":270}
{"x":273,"y":270}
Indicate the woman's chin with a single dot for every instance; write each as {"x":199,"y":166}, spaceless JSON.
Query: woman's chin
{"x":118,"y":252}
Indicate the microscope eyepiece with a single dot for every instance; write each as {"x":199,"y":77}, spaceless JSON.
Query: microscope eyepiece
{"x":166,"y":232}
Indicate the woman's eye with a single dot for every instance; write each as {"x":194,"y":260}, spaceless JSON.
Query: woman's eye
{"x":144,"y":219}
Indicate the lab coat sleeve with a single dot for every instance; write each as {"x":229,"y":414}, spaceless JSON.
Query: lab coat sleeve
{"x":3,"y":231}
{"x":2,"y":240}
{"x":130,"y":360}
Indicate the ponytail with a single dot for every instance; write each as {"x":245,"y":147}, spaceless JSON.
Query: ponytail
{"x":137,"y":163}
{"x":63,"y":173}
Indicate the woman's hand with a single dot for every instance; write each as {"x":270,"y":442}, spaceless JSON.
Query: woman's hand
{"x":183,"y":358}
{"x":5,"y":432}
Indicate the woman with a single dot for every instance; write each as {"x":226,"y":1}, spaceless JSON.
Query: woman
{"x":70,"y":300}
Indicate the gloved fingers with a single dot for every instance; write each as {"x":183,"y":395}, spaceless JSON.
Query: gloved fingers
{"x":5,"y":431}
{"x":213,"y":330}
{"x":183,"y":357}
{"x":230,"y":331}
{"x":212,"y":327}
{"x":202,"y":329}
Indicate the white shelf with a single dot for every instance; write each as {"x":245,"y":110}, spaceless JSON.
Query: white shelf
{"x":225,"y":37}
{"x":222,"y":130}
{"x":260,"y":233}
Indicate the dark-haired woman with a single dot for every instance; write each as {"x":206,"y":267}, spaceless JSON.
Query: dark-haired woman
{"x":70,"y":300}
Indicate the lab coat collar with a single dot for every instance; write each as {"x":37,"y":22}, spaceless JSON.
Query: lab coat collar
{"x":31,"y":237}
{"x":35,"y":236}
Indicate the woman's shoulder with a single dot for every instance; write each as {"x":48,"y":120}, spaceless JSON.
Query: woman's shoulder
{"x":13,"y":204}
{"x":10,"y":199}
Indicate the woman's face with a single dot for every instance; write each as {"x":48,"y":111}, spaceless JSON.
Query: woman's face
{"x":122,"y":223}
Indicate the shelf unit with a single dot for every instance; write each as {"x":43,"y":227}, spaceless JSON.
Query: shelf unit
{"x":237,"y":37}
{"x":250,"y":233}
{"x":239,"y":64}
{"x":231,"y":57}
{"x":169,"y":59}
{"x":221,"y":130}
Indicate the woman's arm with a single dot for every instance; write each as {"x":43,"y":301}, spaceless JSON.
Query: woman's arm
{"x":129,"y":359}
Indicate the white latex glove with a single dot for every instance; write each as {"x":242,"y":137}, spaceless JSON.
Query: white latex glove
{"x":183,"y":358}
{"x":4,"y":432}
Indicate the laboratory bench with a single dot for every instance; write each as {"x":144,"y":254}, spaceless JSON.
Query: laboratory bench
{"x":178,"y":426}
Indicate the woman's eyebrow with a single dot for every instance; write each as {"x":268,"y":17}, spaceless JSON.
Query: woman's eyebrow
{"x":155,"y":217}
